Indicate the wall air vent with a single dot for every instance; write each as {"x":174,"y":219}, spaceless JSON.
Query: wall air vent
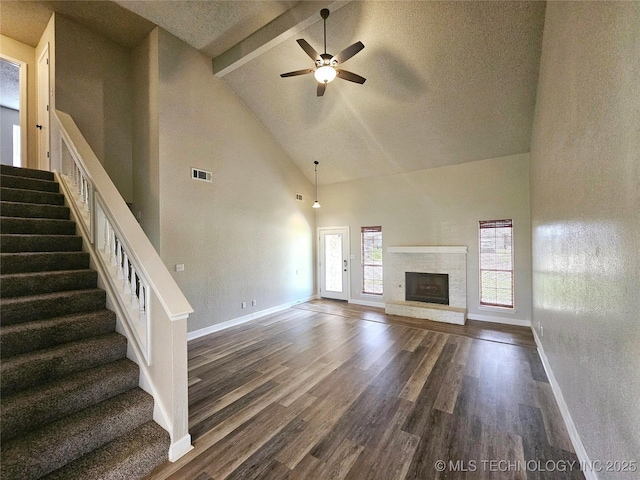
{"x":203,"y":175}
{"x":299,"y":197}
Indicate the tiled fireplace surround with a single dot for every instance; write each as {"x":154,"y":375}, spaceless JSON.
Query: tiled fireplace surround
{"x":451,"y":260}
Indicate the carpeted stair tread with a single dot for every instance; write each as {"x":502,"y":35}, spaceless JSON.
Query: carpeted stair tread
{"x":40,"y":243}
{"x":28,"y":183}
{"x":37,"y":406}
{"x":30,"y":196}
{"x":42,"y":366}
{"x":33,"y":210}
{"x":41,"y":226}
{"x":45,"y":305}
{"x":56,"y":444}
{"x":26,"y":172}
{"x":70,"y":405}
{"x":30,"y":336}
{"x":42,"y":262}
{"x":130,"y":457}
{"x":35,"y":283}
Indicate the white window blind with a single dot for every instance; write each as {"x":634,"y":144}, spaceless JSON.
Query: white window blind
{"x":372,"y":260}
{"x":496,"y":263}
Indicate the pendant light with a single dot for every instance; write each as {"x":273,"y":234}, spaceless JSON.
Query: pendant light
{"x":316,"y":204}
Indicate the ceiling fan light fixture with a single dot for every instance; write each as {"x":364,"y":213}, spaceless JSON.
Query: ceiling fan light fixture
{"x":325,"y":74}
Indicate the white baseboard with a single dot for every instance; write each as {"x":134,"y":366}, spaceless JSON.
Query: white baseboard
{"x":180,"y":448}
{"x":367,"y":303}
{"x":581,"y":453}
{"x":244,"y":319}
{"x":505,"y":321}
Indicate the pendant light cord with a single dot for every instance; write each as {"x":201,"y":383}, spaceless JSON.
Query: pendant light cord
{"x":316,"y":170}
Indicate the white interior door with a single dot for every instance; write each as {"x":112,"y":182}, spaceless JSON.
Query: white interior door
{"x":333,"y":262}
{"x":43,"y":110}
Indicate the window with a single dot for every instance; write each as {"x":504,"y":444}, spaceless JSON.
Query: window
{"x":496,"y":263}
{"x":372,"y":260}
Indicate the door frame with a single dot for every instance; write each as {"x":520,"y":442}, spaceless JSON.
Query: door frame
{"x":44,"y":162}
{"x":22,"y":114}
{"x":319,"y":253}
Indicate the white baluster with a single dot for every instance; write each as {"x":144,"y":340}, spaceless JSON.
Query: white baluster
{"x":127,"y":285}
{"x":107,"y":236}
{"x":114,"y":260}
{"x":142,"y":300}
{"x":86,"y":196}
{"x":134,"y":284}
{"x":119,"y":259}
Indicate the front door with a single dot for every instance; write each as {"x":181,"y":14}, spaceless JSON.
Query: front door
{"x":333,"y":262}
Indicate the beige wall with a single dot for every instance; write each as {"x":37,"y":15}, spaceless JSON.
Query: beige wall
{"x":15,"y":50}
{"x":585,"y":209}
{"x":145,"y":169}
{"x":93,"y":85}
{"x":440,"y":206}
{"x":243,"y":237}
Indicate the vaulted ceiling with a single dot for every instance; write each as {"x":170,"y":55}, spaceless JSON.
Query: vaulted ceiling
{"x":447,"y":82}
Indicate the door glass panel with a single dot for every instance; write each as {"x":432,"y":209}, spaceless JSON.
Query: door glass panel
{"x":333,"y":262}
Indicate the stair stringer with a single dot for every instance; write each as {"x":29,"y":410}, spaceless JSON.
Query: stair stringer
{"x":179,"y":446}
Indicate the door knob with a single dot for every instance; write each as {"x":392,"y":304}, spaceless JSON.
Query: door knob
{"x":39,"y":126}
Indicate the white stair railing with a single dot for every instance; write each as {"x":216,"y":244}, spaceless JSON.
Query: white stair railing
{"x":151,"y":308}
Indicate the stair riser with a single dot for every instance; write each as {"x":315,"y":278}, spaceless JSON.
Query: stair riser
{"x":40,"y":243}
{"x":42,"y":262}
{"x":31,"y":196}
{"x":26,"y":172}
{"x":47,"y":282}
{"x":26,"y":309}
{"x":47,"y":333}
{"x":54,"y":364}
{"x":37,"y":226}
{"x":33,"y":210}
{"x":83,"y":434}
{"x":24,"y":413}
{"x":29,"y":184}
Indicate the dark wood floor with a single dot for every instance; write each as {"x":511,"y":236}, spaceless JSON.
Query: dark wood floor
{"x":328,"y":390}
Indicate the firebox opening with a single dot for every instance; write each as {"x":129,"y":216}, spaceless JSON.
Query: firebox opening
{"x":427,"y":287}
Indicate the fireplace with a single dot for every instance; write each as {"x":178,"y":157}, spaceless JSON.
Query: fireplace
{"x":427,"y":287}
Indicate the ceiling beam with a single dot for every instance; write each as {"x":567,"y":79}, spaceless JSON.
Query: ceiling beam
{"x":282,"y":28}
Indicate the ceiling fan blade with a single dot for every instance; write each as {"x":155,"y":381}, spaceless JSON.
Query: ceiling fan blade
{"x":297,"y":72}
{"x":309,"y":49}
{"x":352,"y":77}
{"x":348,"y":52}
{"x":321,"y":88}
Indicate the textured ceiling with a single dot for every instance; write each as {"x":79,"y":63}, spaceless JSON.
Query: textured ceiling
{"x":9,"y":85}
{"x":210,"y":26}
{"x":25,"y":21}
{"x":447,"y":82}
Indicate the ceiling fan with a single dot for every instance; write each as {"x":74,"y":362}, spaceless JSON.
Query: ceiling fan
{"x":326,"y":63}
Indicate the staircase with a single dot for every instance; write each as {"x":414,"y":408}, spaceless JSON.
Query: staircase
{"x":70,"y":403}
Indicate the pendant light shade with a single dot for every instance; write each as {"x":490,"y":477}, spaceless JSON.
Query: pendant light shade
{"x":316,"y":204}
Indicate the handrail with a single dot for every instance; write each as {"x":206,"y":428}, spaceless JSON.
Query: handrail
{"x":148,"y":302}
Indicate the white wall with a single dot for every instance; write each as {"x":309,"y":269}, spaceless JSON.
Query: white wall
{"x":244,"y":236}
{"x":93,"y":85}
{"x":8,"y":118}
{"x":145,"y":169}
{"x":439,"y":206}
{"x":585,"y":212}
